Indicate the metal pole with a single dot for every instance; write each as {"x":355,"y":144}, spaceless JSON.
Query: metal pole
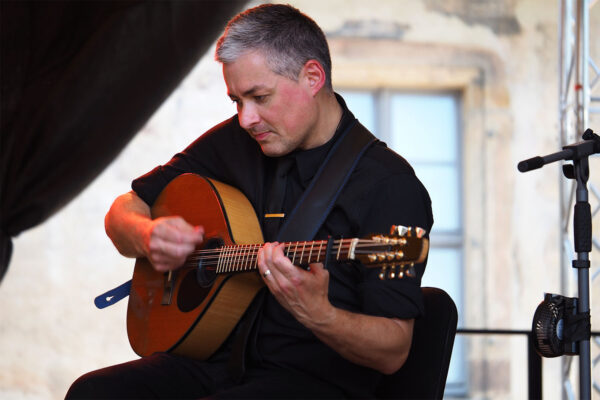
{"x":565,"y":70}
{"x":583,"y":247}
{"x":534,"y":361}
{"x":581,"y":98}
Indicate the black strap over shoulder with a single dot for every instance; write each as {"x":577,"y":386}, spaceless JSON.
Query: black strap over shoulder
{"x":307,"y":217}
{"x":318,"y":199}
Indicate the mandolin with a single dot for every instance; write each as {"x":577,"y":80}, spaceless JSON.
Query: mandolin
{"x":193,"y":309}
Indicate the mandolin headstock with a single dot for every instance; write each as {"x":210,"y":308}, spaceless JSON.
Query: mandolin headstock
{"x":395,"y":253}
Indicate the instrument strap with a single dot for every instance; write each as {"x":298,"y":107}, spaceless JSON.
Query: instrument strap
{"x":114,"y":295}
{"x":318,"y":199}
{"x":307,"y":217}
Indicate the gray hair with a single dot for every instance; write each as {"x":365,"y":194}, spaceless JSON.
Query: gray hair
{"x":286,"y":37}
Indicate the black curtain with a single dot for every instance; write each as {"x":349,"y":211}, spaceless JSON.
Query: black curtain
{"x":78,"y":80}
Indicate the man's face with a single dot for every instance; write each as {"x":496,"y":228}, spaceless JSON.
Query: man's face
{"x":279,"y":113}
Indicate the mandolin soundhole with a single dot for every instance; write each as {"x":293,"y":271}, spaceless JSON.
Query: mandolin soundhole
{"x":197,"y":282}
{"x":191,"y":294}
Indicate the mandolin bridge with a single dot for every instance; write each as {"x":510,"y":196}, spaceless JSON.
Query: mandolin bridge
{"x":169,"y":287}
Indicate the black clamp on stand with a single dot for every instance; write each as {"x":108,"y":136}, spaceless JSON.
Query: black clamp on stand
{"x":554,"y":334}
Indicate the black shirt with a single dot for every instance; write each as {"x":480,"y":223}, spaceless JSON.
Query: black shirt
{"x":383,"y":190}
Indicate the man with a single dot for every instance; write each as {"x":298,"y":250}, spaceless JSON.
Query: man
{"x":319,"y":333}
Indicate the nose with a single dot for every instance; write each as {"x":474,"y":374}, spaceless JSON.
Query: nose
{"x":248,"y":116}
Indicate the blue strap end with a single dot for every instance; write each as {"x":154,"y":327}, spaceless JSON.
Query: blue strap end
{"x":113,"y":296}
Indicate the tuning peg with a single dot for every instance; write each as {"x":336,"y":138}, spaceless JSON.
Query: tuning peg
{"x":401,"y":272}
{"x":378,"y":238}
{"x":392,"y":272}
{"x":399,"y":255}
{"x":398,"y":230}
{"x":382,"y":273}
{"x":420,"y":232}
{"x":410,"y":271}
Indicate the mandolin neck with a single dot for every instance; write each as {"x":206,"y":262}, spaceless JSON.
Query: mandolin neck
{"x":240,"y":258}
{"x":395,"y":254}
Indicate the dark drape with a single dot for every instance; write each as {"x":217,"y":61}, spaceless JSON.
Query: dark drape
{"x":78,"y":80}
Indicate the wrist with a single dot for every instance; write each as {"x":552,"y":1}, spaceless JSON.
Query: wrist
{"x":141,"y":240}
{"x":326,"y":318}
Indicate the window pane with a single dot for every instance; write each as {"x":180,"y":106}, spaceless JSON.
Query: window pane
{"x":362,"y":105}
{"x":424,"y":127}
{"x":442,"y":183}
{"x":443,"y":267}
{"x":444,"y":271}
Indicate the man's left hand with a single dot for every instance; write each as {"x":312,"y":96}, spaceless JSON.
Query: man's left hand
{"x":304,"y":293}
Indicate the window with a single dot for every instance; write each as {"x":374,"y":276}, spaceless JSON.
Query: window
{"x":424,"y":128}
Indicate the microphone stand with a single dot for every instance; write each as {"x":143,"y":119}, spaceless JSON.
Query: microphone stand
{"x":582,"y":230}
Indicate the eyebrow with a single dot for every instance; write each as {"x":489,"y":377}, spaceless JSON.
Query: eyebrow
{"x":250,"y":91}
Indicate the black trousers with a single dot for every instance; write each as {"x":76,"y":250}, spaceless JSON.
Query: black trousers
{"x":169,"y":376}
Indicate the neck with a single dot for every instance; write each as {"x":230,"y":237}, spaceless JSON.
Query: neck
{"x":329,"y":114}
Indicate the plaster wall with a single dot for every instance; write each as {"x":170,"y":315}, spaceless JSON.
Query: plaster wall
{"x":502,"y":57}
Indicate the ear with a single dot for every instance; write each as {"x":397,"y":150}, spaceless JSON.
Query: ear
{"x":313,"y":76}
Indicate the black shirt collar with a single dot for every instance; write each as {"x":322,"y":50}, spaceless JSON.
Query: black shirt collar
{"x":308,"y":161}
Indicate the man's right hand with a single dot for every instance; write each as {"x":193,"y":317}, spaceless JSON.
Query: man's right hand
{"x":165,"y":241}
{"x":169,"y":240}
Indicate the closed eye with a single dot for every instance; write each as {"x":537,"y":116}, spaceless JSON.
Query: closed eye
{"x":260,"y":98}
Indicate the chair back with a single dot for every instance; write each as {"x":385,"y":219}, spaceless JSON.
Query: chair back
{"x":424,"y":374}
